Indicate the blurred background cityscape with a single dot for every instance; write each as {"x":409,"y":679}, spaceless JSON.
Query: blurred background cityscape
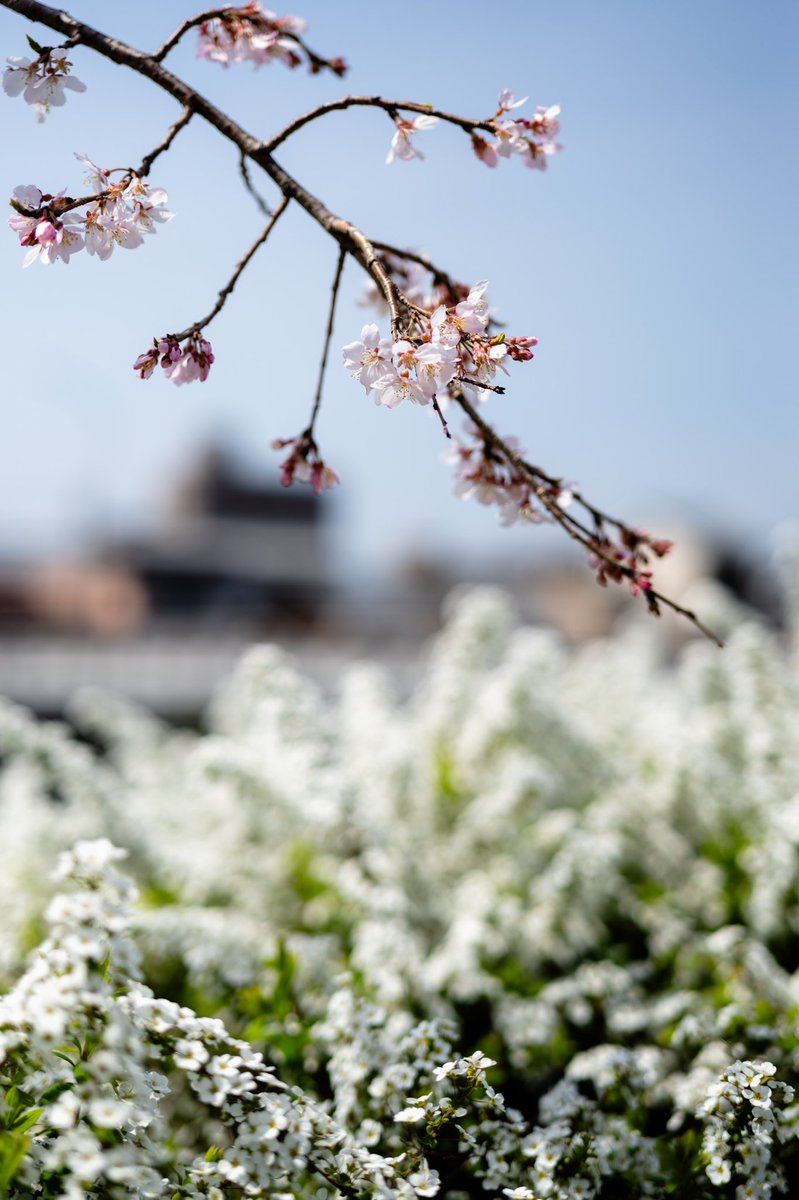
{"x":146,"y":540}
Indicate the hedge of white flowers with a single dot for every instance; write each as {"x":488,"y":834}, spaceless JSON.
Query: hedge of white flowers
{"x":531,"y":932}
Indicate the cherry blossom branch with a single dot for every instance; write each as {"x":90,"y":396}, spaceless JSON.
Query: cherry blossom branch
{"x":342,"y":254}
{"x":251,"y":188}
{"x":172,"y":132}
{"x":222,"y":298}
{"x":346,"y":234}
{"x":392,"y":107}
{"x":547,"y":488}
{"x":353,"y":241}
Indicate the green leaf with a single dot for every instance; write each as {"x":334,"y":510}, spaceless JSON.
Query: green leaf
{"x":27,"y":1120}
{"x":13,"y":1148}
{"x":35,"y":47}
{"x":52,"y":1093}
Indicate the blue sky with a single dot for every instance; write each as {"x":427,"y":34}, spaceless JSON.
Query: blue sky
{"x":656,"y":261}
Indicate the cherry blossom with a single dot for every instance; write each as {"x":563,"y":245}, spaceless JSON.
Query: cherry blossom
{"x":401,"y":144}
{"x":123,"y":213}
{"x":42,"y":229}
{"x":42,"y":81}
{"x":435,"y":364}
{"x":304,"y":464}
{"x":397,"y":386}
{"x":485,"y":151}
{"x":484,"y":473}
{"x":257,"y":35}
{"x":508,"y":101}
{"x":370,"y":358}
{"x":531,"y":139}
{"x":452,"y":344}
{"x":183,"y":364}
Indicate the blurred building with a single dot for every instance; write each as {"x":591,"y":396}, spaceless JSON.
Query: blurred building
{"x":162,"y":618}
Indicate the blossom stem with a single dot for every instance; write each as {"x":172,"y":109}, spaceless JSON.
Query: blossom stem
{"x":244,"y":171}
{"x":342,"y":254}
{"x":172,"y":132}
{"x":231,"y":283}
{"x":441,"y":417}
{"x":439,"y":276}
{"x":389,"y":106}
{"x":184,"y":28}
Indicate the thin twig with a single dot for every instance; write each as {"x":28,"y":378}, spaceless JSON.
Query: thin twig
{"x":231,"y":283}
{"x":172,"y":133}
{"x":184,"y":28}
{"x":441,"y":417}
{"x":439,"y":276}
{"x":390,"y":106}
{"x":477,"y":383}
{"x":342,"y":254}
{"x":250,"y":186}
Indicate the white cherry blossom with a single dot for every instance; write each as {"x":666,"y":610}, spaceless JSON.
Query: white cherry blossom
{"x":401,"y":145}
{"x":369,"y":359}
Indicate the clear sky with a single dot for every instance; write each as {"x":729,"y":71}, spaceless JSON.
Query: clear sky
{"x":656,"y":261}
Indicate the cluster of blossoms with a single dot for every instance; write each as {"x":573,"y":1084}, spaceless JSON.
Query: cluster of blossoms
{"x":529,"y":930}
{"x":626,"y":557}
{"x":180,"y":363}
{"x":42,"y":81}
{"x":531,"y":139}
{"x":254,"y":34}
{"x":487,"y":475}
{"x":304,"y":465}
{"x":46,"y":227}
{"x":119,"y":214}
{"x":746,"y":1110}
{"x":451,"y":345}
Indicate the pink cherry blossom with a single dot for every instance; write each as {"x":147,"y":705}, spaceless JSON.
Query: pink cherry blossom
{"x":395,"y":387}
{"x":46,"y":232}
{"x":520,"y":349}
{"x":530,"y":139}
{"x":508,"y":101}
{"x":182,"y":365}
{"x":545,"y":123}
{"x":42,"y":82}
{"x":485,"y":151}
{"x":434,"y":364}
{"x":194,"y":363}
{"x":485,"y":474}
{"x":251,"y":34}
{"x":401,"y":145}
{"x":304,"y":465}
{"x":470,"y":316}
{"x":257,"y":35}
{"x":370,"y":358}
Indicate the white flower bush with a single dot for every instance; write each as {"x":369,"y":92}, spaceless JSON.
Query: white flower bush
{"x":531,"y":932}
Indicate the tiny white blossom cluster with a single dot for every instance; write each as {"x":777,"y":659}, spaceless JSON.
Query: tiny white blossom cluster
{"x":530,"y":932}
